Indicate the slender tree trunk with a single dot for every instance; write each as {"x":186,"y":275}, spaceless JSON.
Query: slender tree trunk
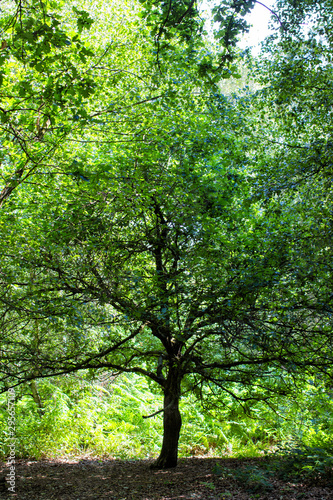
{"x":36,"y":396}
{"x":171,"y":423}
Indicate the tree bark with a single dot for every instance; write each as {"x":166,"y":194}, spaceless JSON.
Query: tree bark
{"x":36,"y":396}
{"x":171,"y":423}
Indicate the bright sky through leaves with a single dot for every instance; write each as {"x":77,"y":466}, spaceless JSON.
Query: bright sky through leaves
{"x":259,"y":19}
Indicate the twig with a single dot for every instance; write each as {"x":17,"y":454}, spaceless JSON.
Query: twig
{"x":272,"y":12}
{"x":158,"y":411}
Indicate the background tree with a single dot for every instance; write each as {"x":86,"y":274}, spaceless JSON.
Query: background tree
{"x":42,"y":76}
{"x":294,"y":137}
{"x":55,"y":59}
{"x":51,"y":69}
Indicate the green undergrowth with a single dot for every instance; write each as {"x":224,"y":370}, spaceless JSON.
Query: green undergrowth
{"x":304,"y":463}
{"x":253,"y":478}
{"x":104,"y":417}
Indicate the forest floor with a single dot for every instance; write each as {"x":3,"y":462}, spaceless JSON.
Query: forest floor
{"x":194,"y":478}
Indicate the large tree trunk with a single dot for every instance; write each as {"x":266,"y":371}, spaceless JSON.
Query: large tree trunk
{"x":171,"y":423}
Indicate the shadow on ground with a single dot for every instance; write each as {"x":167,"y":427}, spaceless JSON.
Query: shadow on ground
{"x":194,"y":478}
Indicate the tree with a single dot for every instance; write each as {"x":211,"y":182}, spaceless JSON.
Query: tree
{"x":161,"y":268}
{"x":156,"y":255}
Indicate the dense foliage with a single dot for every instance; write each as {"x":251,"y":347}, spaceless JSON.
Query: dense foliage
{"x":152,"y":223}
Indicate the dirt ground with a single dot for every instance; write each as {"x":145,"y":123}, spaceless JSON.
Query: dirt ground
{"x":194,"y":478}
